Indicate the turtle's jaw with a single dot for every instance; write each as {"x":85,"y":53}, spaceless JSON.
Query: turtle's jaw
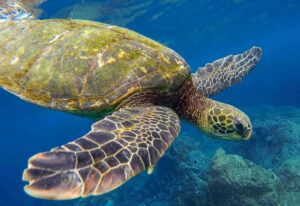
{"x":241,"y":136}
{"x":247,"y":134}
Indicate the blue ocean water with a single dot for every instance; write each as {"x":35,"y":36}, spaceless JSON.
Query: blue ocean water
{"x":201,"y":31}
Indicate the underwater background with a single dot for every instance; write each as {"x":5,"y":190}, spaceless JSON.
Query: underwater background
{"x":196,"y":170}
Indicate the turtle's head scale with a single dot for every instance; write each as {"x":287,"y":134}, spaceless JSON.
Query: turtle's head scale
{"x":224,"y":121}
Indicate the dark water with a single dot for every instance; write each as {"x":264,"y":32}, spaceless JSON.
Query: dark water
{"x":201,"y":31}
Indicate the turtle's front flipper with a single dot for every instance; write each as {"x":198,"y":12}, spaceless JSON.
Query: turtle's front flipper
{"x":117,"y":148}
{"x":222,"y":73}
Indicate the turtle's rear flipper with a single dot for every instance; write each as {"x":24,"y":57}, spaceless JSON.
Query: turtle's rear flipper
{"x":215,"y":77}
{"x":117,"y":148}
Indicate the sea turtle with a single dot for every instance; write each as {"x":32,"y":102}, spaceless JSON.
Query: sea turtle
{"x":136,"y":88}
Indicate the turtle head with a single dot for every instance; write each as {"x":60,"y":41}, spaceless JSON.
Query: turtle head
{"x":224,"y":121}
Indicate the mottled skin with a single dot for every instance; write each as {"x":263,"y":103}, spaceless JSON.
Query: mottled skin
{"x":141,"y":87}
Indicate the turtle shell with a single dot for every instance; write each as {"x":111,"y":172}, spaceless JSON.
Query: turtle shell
{"x":83,"y":66}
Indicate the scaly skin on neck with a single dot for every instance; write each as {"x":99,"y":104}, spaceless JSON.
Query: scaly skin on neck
{"x":213,"y":118}
{"x":190,"y":102}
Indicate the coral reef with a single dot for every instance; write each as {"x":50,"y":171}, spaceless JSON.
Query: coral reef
{"x":233,"y":180}
{"x":262,"y":171}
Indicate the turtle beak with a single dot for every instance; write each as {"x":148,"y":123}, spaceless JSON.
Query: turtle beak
{"x":247,"y":134}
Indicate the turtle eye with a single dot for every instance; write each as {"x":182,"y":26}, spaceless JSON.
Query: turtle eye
{"x":238,"y":125}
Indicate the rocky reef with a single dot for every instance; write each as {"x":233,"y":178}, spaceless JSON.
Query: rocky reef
{"x":233,"y":180}
{"x":263,"y":171}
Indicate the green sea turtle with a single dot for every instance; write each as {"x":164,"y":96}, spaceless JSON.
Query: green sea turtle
{"x":136,"y":88}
